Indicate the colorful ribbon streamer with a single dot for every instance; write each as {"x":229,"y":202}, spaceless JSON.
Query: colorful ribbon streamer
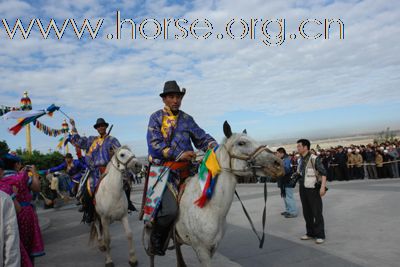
{"x":16,"y":128}
{"x":208,"y":173}
{"x":48,"y":130}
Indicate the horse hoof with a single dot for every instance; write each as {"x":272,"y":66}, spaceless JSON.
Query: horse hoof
{"x":133,"y":264}
{"x":110,"y":264}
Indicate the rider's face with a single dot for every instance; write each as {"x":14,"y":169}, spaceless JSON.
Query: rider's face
{"x":101,"y":129}
{"x":173,"y":101}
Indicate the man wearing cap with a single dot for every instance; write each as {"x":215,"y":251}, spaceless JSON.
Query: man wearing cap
{"x":99,"y":151}
{"x":73,"y":168}
{"x":170,"y":135}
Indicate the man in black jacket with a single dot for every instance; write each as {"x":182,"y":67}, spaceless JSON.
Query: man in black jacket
{"x":341,"y":160}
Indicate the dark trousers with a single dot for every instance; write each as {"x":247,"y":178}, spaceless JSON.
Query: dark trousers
{"x":331,"y":173}
{"x":312,"y":212}
{"x":343,"y":173}
{"x":358,"y":172}
{"x":372,"y":171}
{"x":350,"y":172}
{"x":168,"y":211}
{"x":165,"y":218}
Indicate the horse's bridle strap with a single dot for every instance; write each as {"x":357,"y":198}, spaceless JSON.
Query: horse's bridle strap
{"x":123,"y":164}
{"x":253,"y":155}
{"x":247,"y":158}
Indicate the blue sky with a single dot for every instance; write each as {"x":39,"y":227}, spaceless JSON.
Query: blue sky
{"x":303,"y":88}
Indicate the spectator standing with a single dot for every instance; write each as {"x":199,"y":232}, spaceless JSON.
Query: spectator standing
{"x":341,"y":160}
{"x":395,"y":157}
{"x":379,"y":164}
{"x":311,"y":191}
{"x":370,"y":159}
{"x":358,"y":165}
{"x":286,"y":191}
{"x":350,"y":164}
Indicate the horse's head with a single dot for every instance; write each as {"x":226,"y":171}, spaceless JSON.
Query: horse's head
{"x":125,"y":159}
{"x":248,"y":157}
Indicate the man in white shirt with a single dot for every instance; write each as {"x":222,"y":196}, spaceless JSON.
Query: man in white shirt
{"x":9,"y":235}
{"x":10,"y":255}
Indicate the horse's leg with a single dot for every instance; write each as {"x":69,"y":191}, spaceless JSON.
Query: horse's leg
{"x":106,"y":236}
{"x":100,"y":239}
{"x":152,"y":261}
{"x":128,"y":232}
{"x":179,"y":257}
{"x":204,"y":255}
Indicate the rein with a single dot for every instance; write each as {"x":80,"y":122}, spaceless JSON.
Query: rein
{"x":250,"y":160}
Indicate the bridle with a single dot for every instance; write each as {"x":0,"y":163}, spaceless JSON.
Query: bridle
{"x":125,"y":165}
{"x":249,"y":159}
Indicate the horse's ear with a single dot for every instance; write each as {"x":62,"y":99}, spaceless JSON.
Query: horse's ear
{"x":245,"y":131}
{"x":227,"y":129}
{"x":113,"y":148}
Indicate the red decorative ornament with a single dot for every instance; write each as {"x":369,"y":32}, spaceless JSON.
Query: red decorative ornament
{"x":26,"y":103}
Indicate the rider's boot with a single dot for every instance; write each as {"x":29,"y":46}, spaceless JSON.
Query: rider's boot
{"x":157,"y":240}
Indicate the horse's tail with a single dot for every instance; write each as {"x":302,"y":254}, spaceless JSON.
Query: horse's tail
{"x":93,"y":229}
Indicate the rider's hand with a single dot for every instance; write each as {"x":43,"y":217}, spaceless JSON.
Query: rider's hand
{"x":73,"y":128}
{"x":212,"y":145}
{"x":72,"y":122}
{"x":187,"y":156}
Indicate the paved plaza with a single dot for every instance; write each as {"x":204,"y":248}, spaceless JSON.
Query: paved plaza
{"x":362,"y":221}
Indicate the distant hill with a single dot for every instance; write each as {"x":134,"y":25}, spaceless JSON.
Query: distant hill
{"x":326,"y":141}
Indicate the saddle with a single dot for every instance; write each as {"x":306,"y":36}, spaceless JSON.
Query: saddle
{"x":103,"y":174}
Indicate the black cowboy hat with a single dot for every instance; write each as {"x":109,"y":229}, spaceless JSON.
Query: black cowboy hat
{"x":68,"y":156}
{"x":100,"y":121}
{"x":171,"y":87}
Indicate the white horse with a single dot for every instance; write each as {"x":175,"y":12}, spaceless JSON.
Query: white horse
{"x":112,"y":204}
{"x":203,"y":228}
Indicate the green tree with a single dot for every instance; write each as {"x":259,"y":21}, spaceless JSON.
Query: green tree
{"x":4,"y":149}
{"x":40,"y":160}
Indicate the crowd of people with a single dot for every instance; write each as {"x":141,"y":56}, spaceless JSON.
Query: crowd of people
{"x":18,"y":182}
{"x":311,"y":168}
{"x":372,"y":161}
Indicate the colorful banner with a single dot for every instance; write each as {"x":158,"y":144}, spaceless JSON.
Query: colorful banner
{"x":16,"y":128}
{"x":49,"y":131}
{"x":6,"y":109}
{"x":20,"y":114}
{"x":63,"y":142}
{"x":208,"y":173}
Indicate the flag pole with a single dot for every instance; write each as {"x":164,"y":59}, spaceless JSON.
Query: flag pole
{"x":26,"y":104}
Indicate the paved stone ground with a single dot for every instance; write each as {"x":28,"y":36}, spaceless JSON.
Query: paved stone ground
{"x":362,"y":221}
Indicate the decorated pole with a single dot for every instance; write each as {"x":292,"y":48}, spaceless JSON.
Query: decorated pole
{"x":26,"y":104}
{"x":66,"y":129}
